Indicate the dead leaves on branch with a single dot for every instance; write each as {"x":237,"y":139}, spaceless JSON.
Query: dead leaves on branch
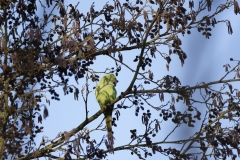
{"x":230,"y":31}
{"x":36,"y":56}
{"x":236,"y":7}
{"x":226,"y":66}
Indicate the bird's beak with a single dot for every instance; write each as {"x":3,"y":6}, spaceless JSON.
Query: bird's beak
{"x":115,"y":82}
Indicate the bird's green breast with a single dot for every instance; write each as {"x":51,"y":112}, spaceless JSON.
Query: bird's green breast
{"x":105,"y":94}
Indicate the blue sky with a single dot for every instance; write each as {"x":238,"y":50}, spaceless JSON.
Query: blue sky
{"x":204,"y":63}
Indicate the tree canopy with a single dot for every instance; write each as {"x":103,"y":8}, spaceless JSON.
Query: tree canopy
{"x":60,"y":47}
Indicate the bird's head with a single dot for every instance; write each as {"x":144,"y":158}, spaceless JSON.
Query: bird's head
{"x":112,"y":78}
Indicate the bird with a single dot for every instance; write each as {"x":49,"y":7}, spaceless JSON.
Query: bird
{"x":105,"y":93}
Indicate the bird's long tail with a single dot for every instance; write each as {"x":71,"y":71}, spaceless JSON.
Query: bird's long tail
{"x":108,"y":119}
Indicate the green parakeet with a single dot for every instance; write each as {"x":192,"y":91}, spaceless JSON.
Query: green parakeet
{"x":105,"y":93}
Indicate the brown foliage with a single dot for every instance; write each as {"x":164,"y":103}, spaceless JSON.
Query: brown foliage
{"x":32,"y":55}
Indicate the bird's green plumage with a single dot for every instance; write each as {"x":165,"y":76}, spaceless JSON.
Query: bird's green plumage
{"x":105,"y":93}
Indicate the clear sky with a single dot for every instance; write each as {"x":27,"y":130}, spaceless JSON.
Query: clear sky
{"x":204,"y":63}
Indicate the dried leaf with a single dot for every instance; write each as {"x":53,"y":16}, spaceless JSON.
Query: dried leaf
{"x":3,"y":44}
{"x":167,"y":66}
{"x":238,"y":94}
{"x":82,"y":90}
{"x":191,"y":4}
{"x":31,"y":34}
{"x":65,"y":89}
{"x":230,"y":88}
{"x":230,"y":31}
{"x":106,"y":144}
{"x":209,"y":4}
{"x":236,"y":7}
{"x":182,"y":62}
{"x":145,"y":15}
{"x":4,"y":67}
{"x":76,"y":93}
{"x":157,"y":126}
{"x":193,"y":15}
{"x":154,"y":148}
{"x":143,"y":122}
{"x":64,"y":63}
{"x":120,"y":57}
{"x":226,"y":67}
{"x":150,"y":74}
{"x":214,"y":102}
{"x":161,"y":97}
{"x":146,"y":120}
{"x":238,"y":73}
{"x":187,"y":99}
{"x":38,"y":35}
{"x":40,"y":119}
{"x":64,"y":22}
{"x":117,"y":113}
{"x":230,"y":116}
{"x":92,"y":10}
{"x":28,"y":129}
{"x":80,"y":53}
{"x":91,"y":44}
{"x":173,"y":98}
{"x":66,"y":136}
{"x":173,"y":107}
{"x":45,"y":112}
{"x":92,"y":148}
